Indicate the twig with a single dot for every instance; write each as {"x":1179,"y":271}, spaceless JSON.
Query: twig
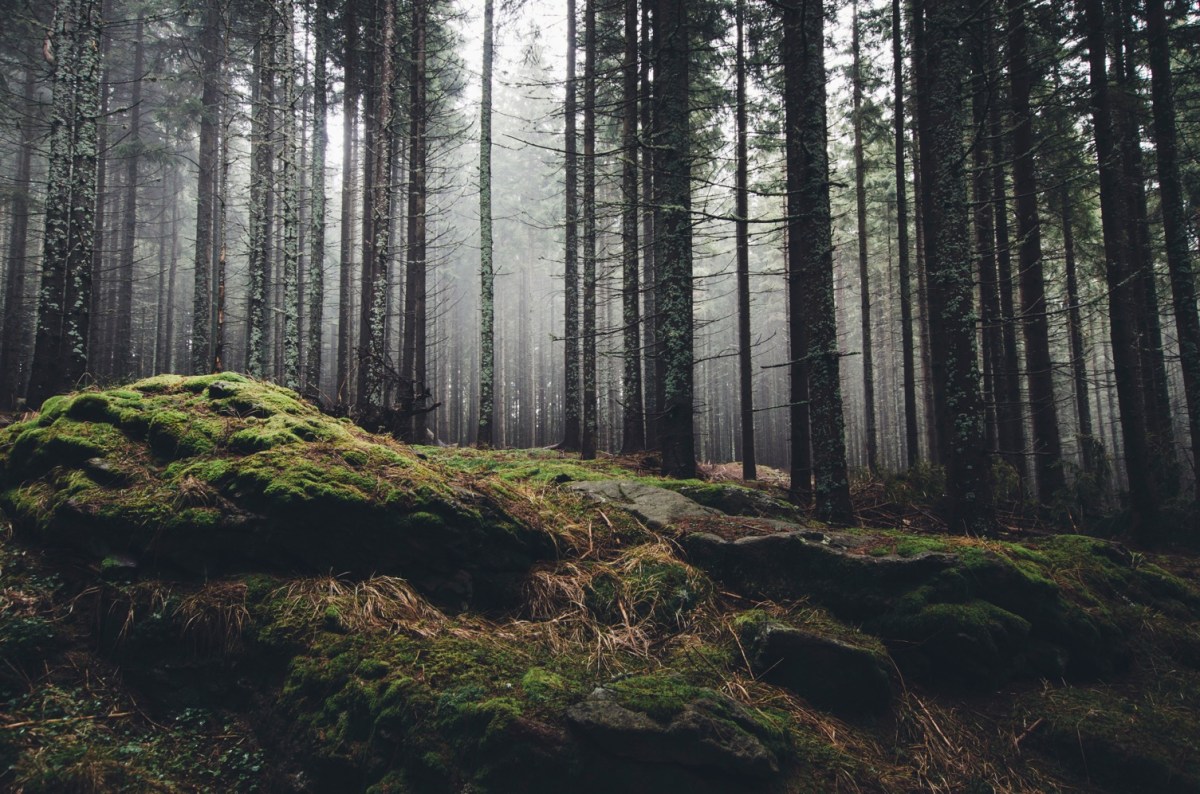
{"x":26,"y":723}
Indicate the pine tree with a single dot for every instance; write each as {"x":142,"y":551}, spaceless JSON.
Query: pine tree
{"x":588,"y":332}
{"x":210,"y":68}
{"x":633,"y":438}
{"x":940,"y":62}
{"x":316,"y":260}
{"x":745,"y":364}
{"x":814,"y":352}
{"x":487,"y":277}
{"x":61,"y":340}
{"x":906,"y":317}
{"x":673,"y":236}
{"x":572,"y":427}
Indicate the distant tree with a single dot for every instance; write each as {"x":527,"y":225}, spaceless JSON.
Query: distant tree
{"x":16,"y":314}
{"x":588,"y":333}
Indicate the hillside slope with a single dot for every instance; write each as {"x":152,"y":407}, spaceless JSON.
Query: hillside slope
{"x":207,"y":585}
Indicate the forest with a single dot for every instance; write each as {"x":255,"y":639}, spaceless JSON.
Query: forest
{"x":543,"y":395}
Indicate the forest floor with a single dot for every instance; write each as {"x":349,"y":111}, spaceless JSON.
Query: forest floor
{"x":207,"y":585}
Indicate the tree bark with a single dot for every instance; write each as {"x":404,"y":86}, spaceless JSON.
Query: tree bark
{"x":911,"y":444}
{"x":940,"y":62}
{"x":633,"y":436}
{"x":588,"y":446}
{"x":572,"y":427}
{"x":487,"y":276}
{"x":316,"y":259}
{"x":673,"y":236}
{"x":810,"y":261}
{"x":745,"y":362}
{"x":61,"y":340}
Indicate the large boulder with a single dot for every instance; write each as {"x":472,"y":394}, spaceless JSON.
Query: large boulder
{"x":214,"y":474}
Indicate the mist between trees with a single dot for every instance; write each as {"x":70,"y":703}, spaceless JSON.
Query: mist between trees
{"x":835,"y":240}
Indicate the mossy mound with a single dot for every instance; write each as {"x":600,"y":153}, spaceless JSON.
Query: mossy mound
{"x":975,"y":613}
{"x":221,"y":473}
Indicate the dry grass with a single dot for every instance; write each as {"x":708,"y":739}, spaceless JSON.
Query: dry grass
{"x":214,"y":617}
{"x":378,"y":604}
{"x":951,"y":750}
{"x":560,"y":601}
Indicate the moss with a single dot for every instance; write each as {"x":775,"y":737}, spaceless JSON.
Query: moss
{"x":541,"y":684}
{"x":175,"y":434}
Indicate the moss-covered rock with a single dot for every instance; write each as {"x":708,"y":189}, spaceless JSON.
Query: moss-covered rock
{"x":965,"y":613}
{"x":219,"y":473}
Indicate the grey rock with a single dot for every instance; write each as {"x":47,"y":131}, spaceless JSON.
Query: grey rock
{"x":658,"y":507}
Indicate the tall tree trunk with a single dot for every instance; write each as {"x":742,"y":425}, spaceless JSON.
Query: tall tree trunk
{"x":940,"y":62}
{"x":487,"y":278}
{"x":633,"y":437}
{"x":1175,"y":223}
{"x":864,"y":279}
{"x":258,"y":353}
{"x":61,"y":341}
{"x":210,"y":69}
{"x":123,"y":350}
{"x":289,"y":179}
{"x":588,"y":447}
{"x":810,"y":257}
{"x":673,"y":236}
{"x":413,"y":367}
{"x":911,"y":446}
{"x":1124,"y":301}
{"x":100,"y":325}
{"x":651,"y":384}
{"x":572,"y":427}
{"x":1047,"y":447}
{"x":377,"y":205}
{"x":745,"y":363}
{"x":349,"y":191}
{"x":16,"y":314}
{"x":316,"y":257}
